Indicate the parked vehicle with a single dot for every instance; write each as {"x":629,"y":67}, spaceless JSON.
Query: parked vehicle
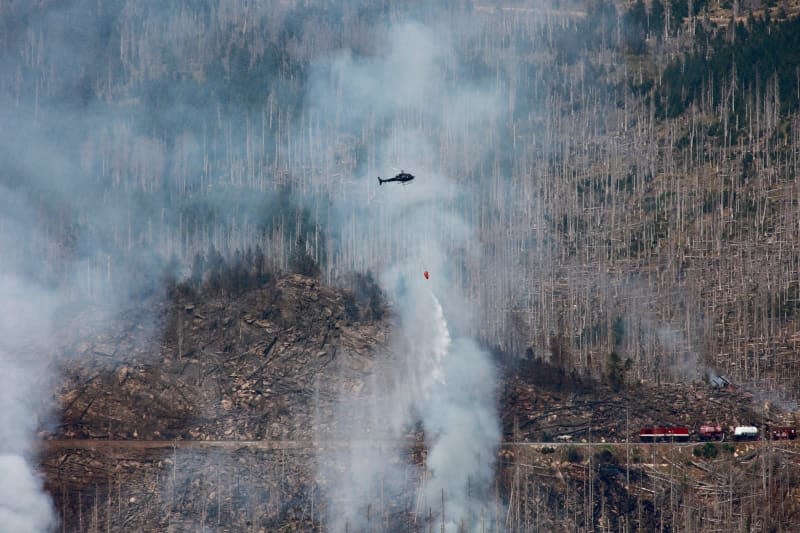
{"x":783,"y":433}
{"x":664,"y":433}
{"x":745,"y":433}
{"x":710,"y":432}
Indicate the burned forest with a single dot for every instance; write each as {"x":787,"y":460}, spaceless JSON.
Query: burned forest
{"x":574,"y":307}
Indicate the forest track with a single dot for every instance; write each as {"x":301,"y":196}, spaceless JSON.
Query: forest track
{"x":132,"y":444}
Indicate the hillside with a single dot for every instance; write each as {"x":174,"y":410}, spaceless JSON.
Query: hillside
{"x":266,"y":366}
{"x":226,"y":418}
{"x":250,"y":367}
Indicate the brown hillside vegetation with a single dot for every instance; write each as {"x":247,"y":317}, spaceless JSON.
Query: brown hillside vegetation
{"x":265,"y":366}
{"x":250,"y":367}
{"x":257,"y":378}
{"x":541,"y":404}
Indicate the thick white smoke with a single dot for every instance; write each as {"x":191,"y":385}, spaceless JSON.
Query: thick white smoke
{"x":441,"y":344}
{"x":24,"y":359}
{"x":455,"y":403}
{"x":24,"y":508}
{"x":447,"y":385}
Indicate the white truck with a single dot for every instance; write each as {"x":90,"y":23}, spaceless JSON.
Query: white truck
{"x":745,"y":433}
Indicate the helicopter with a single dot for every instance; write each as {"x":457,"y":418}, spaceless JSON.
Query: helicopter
{"x":401,"y":177}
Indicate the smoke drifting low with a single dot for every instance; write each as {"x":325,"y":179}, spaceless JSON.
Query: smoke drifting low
{"x":24,"y":369}
{"x":444,"y":383}
{"x":456,"y":407}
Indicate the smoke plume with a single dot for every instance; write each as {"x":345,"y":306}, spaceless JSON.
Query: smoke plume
{"x":434,"y":374}
{"x":24,"y":361}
